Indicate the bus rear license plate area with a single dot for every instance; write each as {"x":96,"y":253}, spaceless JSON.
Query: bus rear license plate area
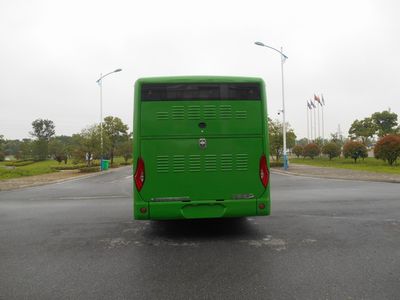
{"x":195,"y":211}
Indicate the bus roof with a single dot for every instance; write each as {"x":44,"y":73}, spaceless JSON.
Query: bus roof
{"x":199,"y":79}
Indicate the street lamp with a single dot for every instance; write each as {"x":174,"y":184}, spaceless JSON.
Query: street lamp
{"x":100,"y":83}
{"x":283,"y":58}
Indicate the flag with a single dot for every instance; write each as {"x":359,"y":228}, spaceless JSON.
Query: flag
{"x":323,"y":101}
{"x":309,"y":105}
{"x":316,"y":98}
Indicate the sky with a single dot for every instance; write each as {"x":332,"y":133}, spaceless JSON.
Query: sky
{"x":52,"y":53}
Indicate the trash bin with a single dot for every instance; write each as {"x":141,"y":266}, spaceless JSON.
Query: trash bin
{"x":105,"y":164}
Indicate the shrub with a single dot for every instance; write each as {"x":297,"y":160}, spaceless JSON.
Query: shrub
{"x":89,"y":169}
{"x":388,"y":148}
{"x":311,"y":150}
{"x":355,"y":150}
{"x":19,"y":163}
{"x":68,"y":167}
{"x":126,"y":163}
{"x":298,"y":150}
{"x":114,"y":165}
{"x":276,"y":164}
{"x":331,"y":149}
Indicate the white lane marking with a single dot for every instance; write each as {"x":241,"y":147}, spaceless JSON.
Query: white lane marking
{"x":93,"y":197}
{"x":130,"y":176}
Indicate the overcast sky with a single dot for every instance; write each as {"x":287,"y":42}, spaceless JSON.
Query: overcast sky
{"x":52,"y":52}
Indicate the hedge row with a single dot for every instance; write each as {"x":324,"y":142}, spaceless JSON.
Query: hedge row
{"x":19,"y":163}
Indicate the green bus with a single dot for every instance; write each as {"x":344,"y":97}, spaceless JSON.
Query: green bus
{"x":200,"y":148}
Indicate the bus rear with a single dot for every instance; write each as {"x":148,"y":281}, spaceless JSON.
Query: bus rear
{"x":200,"y":148}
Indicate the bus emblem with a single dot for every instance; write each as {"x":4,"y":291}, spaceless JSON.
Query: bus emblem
{"x":202,"y":143}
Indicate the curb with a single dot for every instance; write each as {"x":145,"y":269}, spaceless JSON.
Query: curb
{"x":282,"y":172}
{"x":67,"y":179}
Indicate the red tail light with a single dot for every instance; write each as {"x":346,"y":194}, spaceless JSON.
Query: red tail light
{"x":139,"y":174}
{"x":264,"y":173}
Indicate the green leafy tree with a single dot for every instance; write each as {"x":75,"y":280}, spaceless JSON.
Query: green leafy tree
{"x":2,"y":142}
{"x":125,"y":148}
{"x":355,"y":150}
{"x":363,"y":129}
{"x":331,"y":149}
{"x":87,"y":144}
{"x":388,"y":148}
{"x":298,"y":150}
{"x":302,"y":142}
{"x":311,"y":150}
{"x":385,"y":122}
{"x":337,"y":139}
{"x":26,"y":149}
{"x":116,"y":131}
{"x":43,"y":130}
{"x":276,"y":137}
{"x":12,"y":147}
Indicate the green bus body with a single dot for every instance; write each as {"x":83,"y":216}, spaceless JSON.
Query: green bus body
{"x":200,"y":157}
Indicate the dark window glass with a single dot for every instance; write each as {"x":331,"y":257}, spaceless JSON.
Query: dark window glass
{"x":201,"y":91}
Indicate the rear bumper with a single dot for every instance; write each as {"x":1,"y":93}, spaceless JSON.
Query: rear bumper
{"x":202,"y":209}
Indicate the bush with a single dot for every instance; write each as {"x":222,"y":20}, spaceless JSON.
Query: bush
{"x":355,"y":150}
{"x":276,"y":164}
{"x":388,"y":148}
{"x":114,"y":165}
{"x":311,"y":150}
{"x":19,"y":163}
{"x":331,"y":149}
{"x":126,"y":163}
{"x":68,"y":167}
{"x":298,"y":150}
{"x":89,"y":169}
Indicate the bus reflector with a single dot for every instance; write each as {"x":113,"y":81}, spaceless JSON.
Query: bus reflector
{"x":139,"y":174}
{"x":264,"y":174}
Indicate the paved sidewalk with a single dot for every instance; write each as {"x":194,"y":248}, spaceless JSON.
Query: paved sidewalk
{"x":335,"y":173}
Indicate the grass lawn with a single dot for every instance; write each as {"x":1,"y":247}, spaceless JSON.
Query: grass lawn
{"x":37,"y":168}
{"x":369,"y":164}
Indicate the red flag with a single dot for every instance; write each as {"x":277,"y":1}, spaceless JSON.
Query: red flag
{"x":316,"y":98}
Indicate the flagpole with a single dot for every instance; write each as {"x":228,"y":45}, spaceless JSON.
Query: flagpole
{"x":323,"y":134}
{"x":323,"y":121}
{"x":319,"y":123}
{"x":308,"y":124}
{"x":315,"y":123}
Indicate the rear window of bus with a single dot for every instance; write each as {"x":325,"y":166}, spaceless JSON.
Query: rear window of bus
{"x":200,"y":91}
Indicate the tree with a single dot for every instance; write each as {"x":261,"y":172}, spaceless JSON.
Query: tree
{"x":298,"y":150}
{"x":88,"y":144}
{"x":363,"y":129}
{"x":2,"y":141}
{"x":331,"y":149}
{"x":43,"y":130}
{"x":125,"y":148}
{"x":337,"y":139}
{"x":385,"y":122}
{"x":276,"y":137}
{"x":311,"y":150}
{"x":116,"y":131}
{"x":26,"y":149}
{"x":355,"y":150}
{"x":302,"y":142}
{"x":388,"y":148}
{"x":60,"y":148}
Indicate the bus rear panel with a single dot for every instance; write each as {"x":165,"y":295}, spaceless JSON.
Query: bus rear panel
{"x":200,"y":148}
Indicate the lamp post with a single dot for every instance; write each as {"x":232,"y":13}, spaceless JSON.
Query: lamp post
{"x":283,"y":58}
{"x":100,"y":83}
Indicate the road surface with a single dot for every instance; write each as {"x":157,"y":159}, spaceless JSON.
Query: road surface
{"x":325,"y":239}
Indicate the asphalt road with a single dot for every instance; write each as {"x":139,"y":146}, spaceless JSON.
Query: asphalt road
{"x":325,"y":239}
